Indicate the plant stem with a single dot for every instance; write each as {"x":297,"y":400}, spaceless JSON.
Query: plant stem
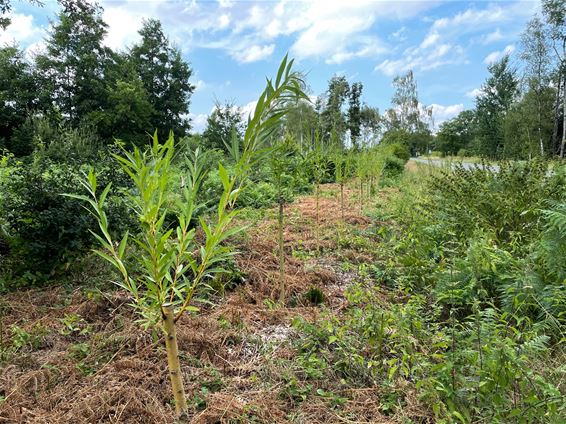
{"x":342,"y":199}
{"x":361,"y":195}
{"x":173,"y":361}
{"x":1,"y":334}
{"x":281,"y":252}
{"x":317,"y":220}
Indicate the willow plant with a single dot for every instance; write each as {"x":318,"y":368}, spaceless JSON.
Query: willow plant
{"x":376,"y":165}
{"x":319,"y":163}
{"x":343,"y":169}
{"x":173,"y":263}
{"x":283,"y":157}
{"x":363,"y":169}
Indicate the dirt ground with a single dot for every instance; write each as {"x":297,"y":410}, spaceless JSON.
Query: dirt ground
{"x":82,"y":358}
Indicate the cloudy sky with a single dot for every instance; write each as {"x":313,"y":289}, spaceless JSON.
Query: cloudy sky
{"x":232,"y":44}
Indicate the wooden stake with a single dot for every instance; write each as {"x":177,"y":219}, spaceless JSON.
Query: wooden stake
{"x":173,"y":361}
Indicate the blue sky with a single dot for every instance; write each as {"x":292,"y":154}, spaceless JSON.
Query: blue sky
{"x":232,"y":44}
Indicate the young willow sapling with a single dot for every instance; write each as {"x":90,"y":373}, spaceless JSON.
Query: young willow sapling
{"x":173,"y":263}
{"x":283,"y":161}
{"x":319,"y":163}
{"x":342,"y":168}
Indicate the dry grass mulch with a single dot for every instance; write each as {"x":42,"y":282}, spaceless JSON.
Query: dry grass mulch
{"x":83,"y":359}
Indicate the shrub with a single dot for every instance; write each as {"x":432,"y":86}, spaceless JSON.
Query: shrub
{"x":486,"y":234}
{"x":464,"y":153}
{"x":483,"y":369}
{"x":507,"y":201}
{"x":258,"y":195}
{"x":393,"y":167}
{"x":43,"y":229}
{"x":400,"y":151}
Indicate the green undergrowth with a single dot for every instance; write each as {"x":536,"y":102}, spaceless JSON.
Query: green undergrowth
{"x":464,"y":303}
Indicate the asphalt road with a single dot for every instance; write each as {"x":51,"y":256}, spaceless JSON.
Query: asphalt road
{"x":451,"y":163}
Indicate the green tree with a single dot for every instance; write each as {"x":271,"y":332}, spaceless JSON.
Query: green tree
{"x":222,"y":124}
{"x":332,"y":116}
{"x":554,"y":12}
{"x":173,"y":263}
{"x":536,"y":54}
{"x":5,"y":8}
{"x":355,"y":113}
{"x":371,"y":124}
{"x":18,"y":97}
{"x":498,"y":93}
{"x":165,"y":77}
{"x":127,"y":114}
{"x":457,"y":133}
{"x":73,"y":68}
{"x":301,"y":123}
{"x":528,"y":123}
{"x":406,"y":113}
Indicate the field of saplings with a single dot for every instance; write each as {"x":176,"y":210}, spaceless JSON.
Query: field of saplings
{"x":299,"y":264}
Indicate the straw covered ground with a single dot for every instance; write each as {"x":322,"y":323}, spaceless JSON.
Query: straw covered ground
{"x":78,"y":356}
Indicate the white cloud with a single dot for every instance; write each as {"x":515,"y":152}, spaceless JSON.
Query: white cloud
{"x":200,"y":85}
{"x":399,"y":35}
{"x":480,"y":20}
{"x":123,"y":26}
{"x":423,"y":59}
{"x":247,"y":54}
{"x":247,"y":110}
{"x":22,"y":30}
{"x":493,"y":37}
{"x":443,"y":113}
{"x":430,"y":40}
{"x":224,"y":21}
{"x":368,"y":47}
{"x":497,"y":55}
{"x":474,"y":93}
{"x":182,"y":22}
{"x":444,"y":41}
{"x":332,"y":30}
{"x":198,"y":121}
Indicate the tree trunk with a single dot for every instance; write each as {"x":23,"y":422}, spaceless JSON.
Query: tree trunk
{"x":555,"y":143}
{"x":539,"y":112}
{"x":562,"y":146}
{"x":282,"y":293}
{"x":173,"y":361}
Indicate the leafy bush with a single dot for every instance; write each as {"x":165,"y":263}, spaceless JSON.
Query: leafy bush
{"x":400,"y":151}
{"x":482,"y":234}
{"x":507,"y":201}
{"x":480,"y":369}
{"x":258,"y":195}
{"x":464,"y":153}
{"x":393,"y":167}
{"x":43,"y":229}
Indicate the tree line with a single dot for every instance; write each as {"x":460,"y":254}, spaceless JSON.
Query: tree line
{"x":78,"y":82}
{"x":521,"y":109}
